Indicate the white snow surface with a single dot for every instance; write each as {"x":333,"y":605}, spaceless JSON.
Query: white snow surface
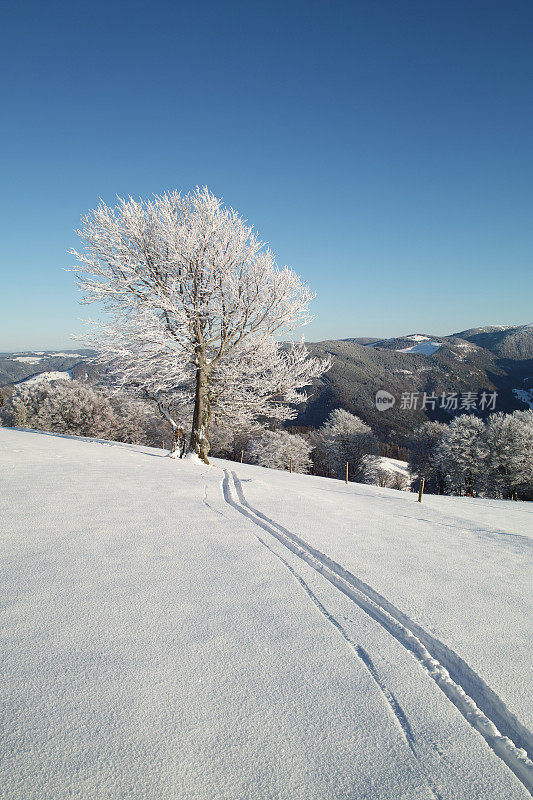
{"x":426,"y":348}
{"x":394,"y":465}
{"x":41,"y":355}
{"x":173,"y":630}
{"x":46,"y":377}
{"x":58,"y":354}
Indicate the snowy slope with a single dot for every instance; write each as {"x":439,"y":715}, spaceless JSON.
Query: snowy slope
{"x":46,"y":377}
{"x":165,"y":638}
{"x":426,"y":348}
{"x":394,"y":465}
{"x":448,"y":562}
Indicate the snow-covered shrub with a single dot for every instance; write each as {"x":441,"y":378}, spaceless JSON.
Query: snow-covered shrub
{"x":130,"y":424}
{"x":136,"y":422}
{"x":61,"y":407}
{"x":391,"y":479}
{"x":275,"y":449}
{"x":21,"y":410}
{"x":229,"y":438}
{"x":423,"y":462}
{"x":509,"y":440}
{"x":461,"y":454}
{"x":399,"y":481}
{"x":76,"y":409}
{"x":382,"y":477}
{"x":346,"y":438}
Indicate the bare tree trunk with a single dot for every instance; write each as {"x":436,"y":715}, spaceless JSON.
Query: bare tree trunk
{"x":202,"y":414}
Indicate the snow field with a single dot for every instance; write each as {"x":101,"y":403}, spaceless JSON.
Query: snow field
{"x":426,"y":348}
{"x":158,"y":643}
{"x":46,"y":377}
{"x":452,"y":564}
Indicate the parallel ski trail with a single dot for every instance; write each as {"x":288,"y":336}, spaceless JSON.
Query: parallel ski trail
{"x":476,"y":701}
{"x":395,"y":708}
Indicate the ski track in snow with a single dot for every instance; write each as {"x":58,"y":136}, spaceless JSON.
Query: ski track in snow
{"x":397,"y":711}
{"x":475,"y":700}
{"x":208,"y":504}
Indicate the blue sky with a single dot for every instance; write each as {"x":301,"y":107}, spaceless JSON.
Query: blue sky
{"x":384,"y":149}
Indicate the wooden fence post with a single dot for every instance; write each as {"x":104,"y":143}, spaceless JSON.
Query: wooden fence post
{"x":242,"y":455}
{"x":346,"y":479}
{"x":421,"y":490}
{"x":290,"y":464}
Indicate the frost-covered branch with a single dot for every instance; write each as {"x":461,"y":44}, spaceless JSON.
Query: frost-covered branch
{"x":195,"y":299}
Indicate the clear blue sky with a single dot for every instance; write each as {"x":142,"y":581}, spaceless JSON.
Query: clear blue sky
{"x":384,"y":149}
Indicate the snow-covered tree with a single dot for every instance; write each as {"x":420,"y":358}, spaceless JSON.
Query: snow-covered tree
{"x":135,"y":421}
{"x":509,"y":440}
{"x":276,"y":449}
{"x":230,"y":439}
{"x":142,"y":361}
{"x":22,"y":408}
{"x":75,"y":408}
{"x":62,"y":407}
{"x":461,"y":452}
{"x":262,"y":379}
{"x":346,"y":438}
{"x":194,"y":295}
{"x":423,"y":462}
{"x":14,"y":413}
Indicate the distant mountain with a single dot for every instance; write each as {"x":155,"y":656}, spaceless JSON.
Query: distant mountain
{"x":493,"y":359}
{"x":15,"y":367}
{"x":515,"y":342}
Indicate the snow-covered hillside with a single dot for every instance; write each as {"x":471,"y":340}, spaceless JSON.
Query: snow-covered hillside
{"x":426,"y":348}
{"x":394,"y":465}
{"x":46,"y":377}
{"x":173,"y":630}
